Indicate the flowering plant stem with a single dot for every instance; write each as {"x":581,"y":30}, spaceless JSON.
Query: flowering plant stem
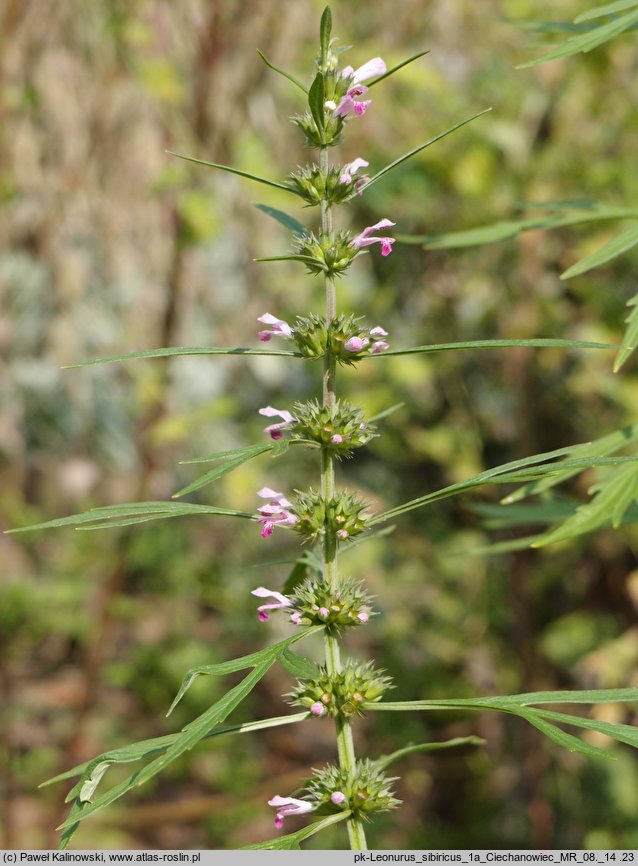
{"x":345,"y":743}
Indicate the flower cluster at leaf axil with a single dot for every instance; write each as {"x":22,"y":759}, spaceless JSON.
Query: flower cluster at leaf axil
{"x":314,"y":602}
{"x":332,"y":253}
{"x":336,"y":185}
{"x":342,"y":516}
{"x":339,"y":427}
{"x":345,"y":337}
{"x":342,"y":693}
{"x":363,"y":791}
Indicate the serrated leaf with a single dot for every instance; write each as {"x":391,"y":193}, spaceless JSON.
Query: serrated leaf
{"x":631,"y":334}
{"x":418,"y":149}
{"x":397,"y":67}
{"x":540,"y":343}
{"x":298,"y":666}
{"x":325,"y":29}
{"x":316,"y":101}
{"x":616,"y":247}
{"x":220,"y":470}
{"x":282,"y":72}
{"x":587,"y":41}
{"x":238,"y":171}
{"x":291,"y":841}
{"x":612,"y":497}
{"x":386,"y":760}
{"x":283,"y":218}
{"x":136,"y":511}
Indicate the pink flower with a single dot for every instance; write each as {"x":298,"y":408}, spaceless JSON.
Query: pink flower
{"x":275,"y":512}
{"x":262,"y":610}
{"x":275,"y":429}
{"x":366,"y":238}
{"x":279,"y":327}
{"x":296,"y":617}
{"x":372,"y":69}
{"x":317,"y":709}
{"x":356,"y":344}
{"x":323,"y":612}
{"x":379,"y":346}
{"x":342,"y":534}
{"x":337,"y":439}
{"x":288,"y":806}
{"x":349,"y":102}
{"x":363,"y":617}
{"x":352,"y":168}
{"x":337,"y":797}
{"x":378,"y":332}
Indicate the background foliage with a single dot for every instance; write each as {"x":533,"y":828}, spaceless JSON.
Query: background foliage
{"x":108,"y":245}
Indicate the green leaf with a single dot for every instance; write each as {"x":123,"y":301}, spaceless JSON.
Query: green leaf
{"x":316,"y":101}
{"x":298,"y":666}
{"x":248,"y":452}
{"x":587,"y":41}
{"x":135,"y":510}
{"x":627,"y":734}
{"x":176,"y":350}
{"x":307,"y":562}
{"x":325,"y":29}
{"x":310,"y":260}
{"x":239,"y":664}
{"x":554,"y":216}
{"x":397,"y":67}
{"x":238,"y":171}
{"x":612,"y":497}
{"x":418,"y":149}
{"x":631,"y":334}
{"x":386,"y":760}
{"x":220,"y":470}
{"x":184,"y":741}
{"x":541,"y":343}
{"x":285,"y":219}
{"x":517,"y":470}
{"x":507,"y":702}
{"x":616,"y":247}
{"x":282,"y":72}
{"x":291,"y":841}
{"x":389,"y":411}
{"x":507,"y":516}
{"x":563,"y":739}
{"x":598,"y":448}
{"x":607,"y":9}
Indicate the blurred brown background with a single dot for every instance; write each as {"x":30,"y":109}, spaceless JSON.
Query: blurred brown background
{"x":107,"y":244}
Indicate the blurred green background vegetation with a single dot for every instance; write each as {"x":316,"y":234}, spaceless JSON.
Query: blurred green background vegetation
{"x":108,"y":245}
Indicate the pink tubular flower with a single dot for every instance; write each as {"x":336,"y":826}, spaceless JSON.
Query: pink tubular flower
{"x":352,"y":168}
{"x":275,"y":429}
{"x":296,"y":617}
{"x":372,"y":69}
{"x":262,"y":610}
{"x":288,"y":806}
{"x":356,"y":344}
{"x":349,"y":103}
{"x":279,"y":327}
{"x":317,"y":709}
{"x":275,"y":512}
{"x":337,"y":797}
{"x":363,"y":617}
{"x":366,"y":238}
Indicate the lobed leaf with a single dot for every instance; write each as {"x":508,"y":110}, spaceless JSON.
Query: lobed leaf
{"x":616,"y":247}
{"x":298,"y":666}
{"x":589,"y":40}
{"x":221,"y":470}
{"x":134,"y":512}
{"x":631,"y":334}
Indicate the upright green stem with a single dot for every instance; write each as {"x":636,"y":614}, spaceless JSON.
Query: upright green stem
{"x":345,"y":743}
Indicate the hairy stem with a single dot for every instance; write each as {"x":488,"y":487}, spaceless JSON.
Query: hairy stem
{"x":345,"y":743}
